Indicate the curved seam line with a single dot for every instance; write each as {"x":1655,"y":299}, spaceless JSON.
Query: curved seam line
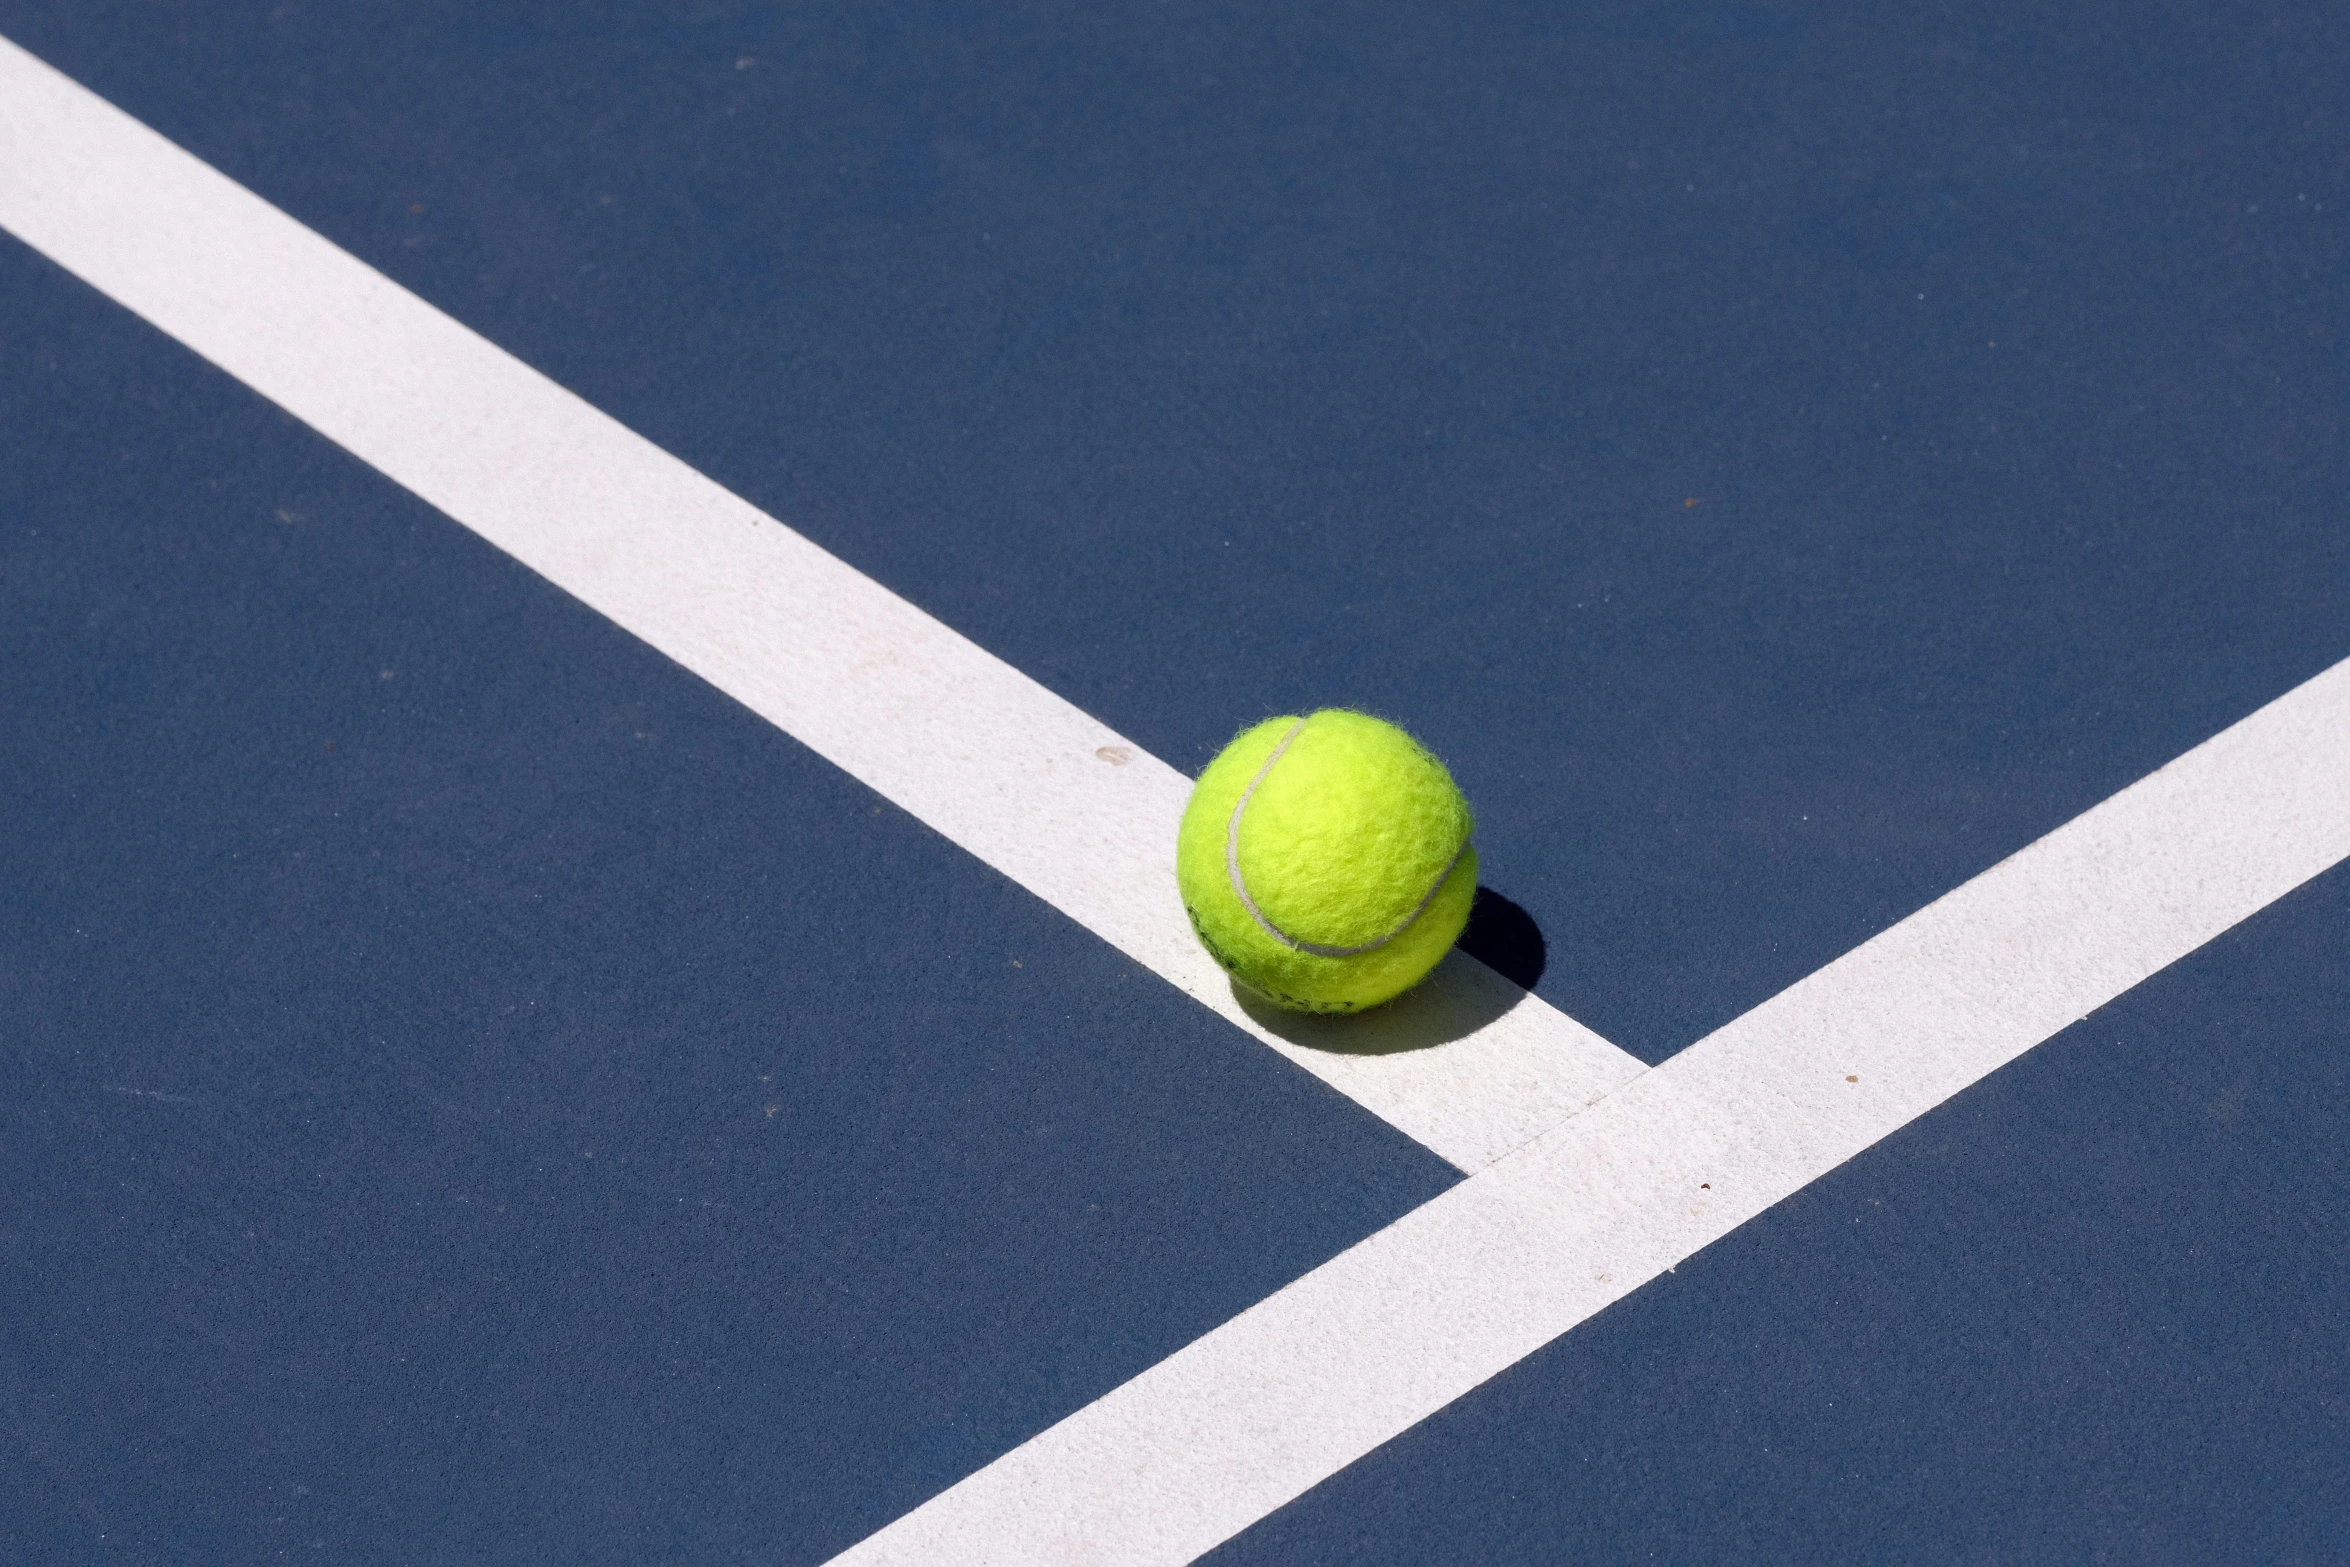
{"x":1240,"y":884}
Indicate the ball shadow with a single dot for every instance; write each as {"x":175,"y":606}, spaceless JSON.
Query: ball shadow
{"x":1500,"y":955}
{"x":1505,"y":939}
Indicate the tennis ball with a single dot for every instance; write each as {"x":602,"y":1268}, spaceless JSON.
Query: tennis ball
{"x":1325,"y":861}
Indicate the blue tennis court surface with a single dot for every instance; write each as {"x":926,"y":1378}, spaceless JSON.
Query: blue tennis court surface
{"x":476,"y":1093}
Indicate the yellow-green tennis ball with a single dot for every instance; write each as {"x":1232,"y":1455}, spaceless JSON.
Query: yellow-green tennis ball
{"x":1325,"y":861}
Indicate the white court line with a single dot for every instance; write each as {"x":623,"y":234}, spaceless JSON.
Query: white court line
{"x":1307,"y":1381}
{"x":990,"y":759}
{"x":1357,"y":1351}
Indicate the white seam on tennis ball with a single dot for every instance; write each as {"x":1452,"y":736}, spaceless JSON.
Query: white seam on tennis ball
{"x":1240,"y":882}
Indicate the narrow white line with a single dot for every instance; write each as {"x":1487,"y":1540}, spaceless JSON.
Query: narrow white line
{"x":989,"y":758}
{"x":1291,"y":1391}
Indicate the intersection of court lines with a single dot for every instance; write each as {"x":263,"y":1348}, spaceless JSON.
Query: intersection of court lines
{"x":1078,"y":815}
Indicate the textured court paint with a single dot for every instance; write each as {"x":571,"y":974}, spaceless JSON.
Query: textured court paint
{"x":1294,"y":1389}
{"x":973,"y":748}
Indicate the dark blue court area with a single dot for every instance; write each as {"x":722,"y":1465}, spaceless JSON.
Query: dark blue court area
{"x":471,"y":1093}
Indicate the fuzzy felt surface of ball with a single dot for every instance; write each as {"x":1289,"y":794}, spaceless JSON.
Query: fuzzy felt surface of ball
{"x":1326,"y":861}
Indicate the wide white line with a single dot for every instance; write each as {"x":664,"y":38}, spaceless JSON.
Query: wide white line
{"x":992,"y":760}
{"x":1286,"y":1394}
